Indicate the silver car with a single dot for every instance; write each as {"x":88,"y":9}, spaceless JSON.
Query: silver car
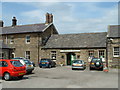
{"x":78,"y":64}
{"x":27,"y":63}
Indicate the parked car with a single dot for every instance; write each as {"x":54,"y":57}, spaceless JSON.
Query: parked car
{"x":78,"y":64}
{"x":33,"y":64}
{"x":96,"y":63}
{"x":27,"y":63}
{"x":47,"y":63}
{"x":11,"y":68}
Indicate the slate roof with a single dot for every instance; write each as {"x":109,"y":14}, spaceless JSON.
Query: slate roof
{"x":3,"y":46}
{"x":114,"y":31}
{"x":25,"y":28}
{"x":82,"y":40}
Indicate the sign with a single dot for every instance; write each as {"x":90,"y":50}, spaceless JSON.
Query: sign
{"x":69,"y":50}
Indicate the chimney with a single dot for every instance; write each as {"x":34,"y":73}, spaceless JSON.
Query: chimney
{"x":14,"y":21}
{"x":49,"y":18}
{"x":1,"y":23}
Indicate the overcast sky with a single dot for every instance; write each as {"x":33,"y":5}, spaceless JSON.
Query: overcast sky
{"x":69,"y":17}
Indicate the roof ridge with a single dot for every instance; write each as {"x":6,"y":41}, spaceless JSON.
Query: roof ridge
{"x":80,"y":33}
{"x":24,"y":25}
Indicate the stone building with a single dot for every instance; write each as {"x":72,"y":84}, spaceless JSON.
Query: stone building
{"x":42,"y":40}
{"x":27,"y":40}
{"x":113,"y":45}
{"x":5,"y":51}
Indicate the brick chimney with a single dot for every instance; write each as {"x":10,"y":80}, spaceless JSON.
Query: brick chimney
{"x":14,"y":21}
{"x":49,"y":18}
{"x":1,"y":23}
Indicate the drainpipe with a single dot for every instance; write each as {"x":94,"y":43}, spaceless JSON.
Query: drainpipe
{"x":106,"y":53}
{"x":38,"y":47}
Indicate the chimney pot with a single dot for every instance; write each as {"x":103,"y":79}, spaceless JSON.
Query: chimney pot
{"x":49,"y":18}
{"x":1,"y":23}
{"x":14,"y":21}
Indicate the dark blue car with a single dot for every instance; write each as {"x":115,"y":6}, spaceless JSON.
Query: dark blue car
{"x":47,"y":63}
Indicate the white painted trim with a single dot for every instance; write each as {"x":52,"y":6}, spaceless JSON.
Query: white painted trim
{"x":116,"y":55}
{"x":47,"y":27}
{"x":69,"y":50}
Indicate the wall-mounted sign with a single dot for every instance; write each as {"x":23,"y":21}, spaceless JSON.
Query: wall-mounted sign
{"x":69,"y":50}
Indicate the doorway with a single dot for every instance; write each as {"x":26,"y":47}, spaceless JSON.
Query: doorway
{"x":70,"y":58}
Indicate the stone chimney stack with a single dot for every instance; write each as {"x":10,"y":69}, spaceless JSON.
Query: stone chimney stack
{"x":14,"y":21}
{"x":49,"y":18}
{"x":1,"y":23}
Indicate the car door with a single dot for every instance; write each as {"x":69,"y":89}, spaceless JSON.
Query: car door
{"x":3,"y":67}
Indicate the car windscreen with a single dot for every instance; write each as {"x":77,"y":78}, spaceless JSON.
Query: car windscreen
{"x":27,"y":62}
{"x":16,"y":63}
{"x":77,"y":61}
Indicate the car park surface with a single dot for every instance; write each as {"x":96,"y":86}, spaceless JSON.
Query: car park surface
{"x":65,"y":77}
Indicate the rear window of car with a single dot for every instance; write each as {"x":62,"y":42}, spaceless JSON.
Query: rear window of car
{"x":27,"y":62}
{"x":96,"y":59}
{"x":77,"y":61}
{"x":3,"y":64}
{"x":16,"y":63}
{"x":45,"y":59}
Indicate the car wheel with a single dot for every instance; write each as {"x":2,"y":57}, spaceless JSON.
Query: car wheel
{"x":90,"y":68}
{"x":40,"y":66}
{"x":73,"y":69}
{"x":20,"y":77}
{"x":49,"y":66}
{"x":7,"y":76}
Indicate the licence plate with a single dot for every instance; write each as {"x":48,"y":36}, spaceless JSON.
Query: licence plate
{"x":21,"y":73}
{"x":43,"y":63}
{"x":78,"y":65}
{"x":29,"y":66}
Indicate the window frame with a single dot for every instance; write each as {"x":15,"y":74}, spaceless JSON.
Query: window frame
{"x":102,"y":52}
{"x":116,"y":51}
{"x":89,"y":52}
{"x":27,"y":41}
{"x":11,"y":40}
{"x":27,"y":56}
{"x":53,"y":54}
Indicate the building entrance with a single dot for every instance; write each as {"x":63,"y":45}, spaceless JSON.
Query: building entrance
{"x":70,"y":58}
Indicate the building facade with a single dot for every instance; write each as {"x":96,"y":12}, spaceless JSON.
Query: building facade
{"x":42,"y":40}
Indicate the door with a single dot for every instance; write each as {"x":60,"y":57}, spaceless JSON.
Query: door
{"x":70,"y":58}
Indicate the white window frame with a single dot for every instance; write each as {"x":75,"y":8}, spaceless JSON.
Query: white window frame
{"x":6,"y":38}
{"x":11,"y":40}
{"x":99,"y":53}
{"x":26,"y":40}
{"x":53,"y":54}
{"x":2,"y":54}
{"x":26,"y":56}
{"x":90,"y":52}
{"x":116,"y":51}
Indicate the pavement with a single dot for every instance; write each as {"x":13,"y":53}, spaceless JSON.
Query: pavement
{"x":65,"y":77}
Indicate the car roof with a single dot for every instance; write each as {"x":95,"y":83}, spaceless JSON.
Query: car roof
{"x":7,"y":60}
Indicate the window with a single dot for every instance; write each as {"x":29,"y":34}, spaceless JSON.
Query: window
{"x":27,"y":54}
{"x":62,"y":56}
{"x":1,"y":55}
{"x":101,"y":53}
{"x":3,"y":64}
{"x":11,"y":40}
{"x":53,"y":55}
{"x":91,"y":53}
{"x":27,"y":39}
{"x":116,"y":52}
